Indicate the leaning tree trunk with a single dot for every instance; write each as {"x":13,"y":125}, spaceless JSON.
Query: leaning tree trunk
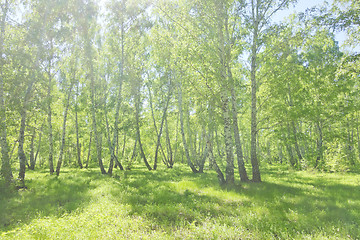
{"x":112,"y":145}
{"x":158,"y":133}
{"x":21,"y":152}
{"x":137,"y":119}
{"x":114,"y":156}
{"x":116,"y":132}
{"x":220,"y":175}
{"x":93,"y":106}
{"x":205,"y":154}
{"x":191,"y":165}
{"x":64,"y":131}
{"x":5,"y":159}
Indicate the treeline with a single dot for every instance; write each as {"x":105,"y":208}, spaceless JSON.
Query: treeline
{"x":215,"y":84}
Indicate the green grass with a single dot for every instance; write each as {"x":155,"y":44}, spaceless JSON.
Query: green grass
{"x":176,"y":204}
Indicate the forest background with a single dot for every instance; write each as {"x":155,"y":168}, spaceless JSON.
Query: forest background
{"x":178,"y":81}
{"x":179,"y":119}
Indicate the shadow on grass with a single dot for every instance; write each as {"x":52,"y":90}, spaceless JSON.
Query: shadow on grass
{"x":45,"y":196}
{"x":153,"y":196}
{"x":290,"y":205}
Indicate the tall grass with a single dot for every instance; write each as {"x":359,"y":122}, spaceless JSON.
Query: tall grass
{"x":176,"y":204}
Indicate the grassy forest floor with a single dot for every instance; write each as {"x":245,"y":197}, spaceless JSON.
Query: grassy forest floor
{"x":176,"y":204}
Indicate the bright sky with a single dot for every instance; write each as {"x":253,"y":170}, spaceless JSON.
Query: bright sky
{"x":301,"y":6}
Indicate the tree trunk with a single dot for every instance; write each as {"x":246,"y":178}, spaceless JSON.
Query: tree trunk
{"x":358,"y":139}
{"x":170,"y":160}
{"x":112,"y":151}
{"x":93,"y":106}
{"x":38,"y":147}
{"x":112,"y":145}
{"x":239,"y":152}
{"x":224,"y":79}
{"x":269,"y":152}
{"x":189,"y":132}
{"x":78,"y":148}
{"x":187,"y":154}
{"x":205,"y":154}
{"x":319,"y":147}
{"x":12,"y":152}
{"x":32,"y":151}
{"x":297,"y":149}
{"x":253,"y":154}
{"x":5,"y":159}
{"x":256,"y":18}
{"x":124,"y":144}
{"x":21,"y":153}
{"x":158,"y":133}
{"x":229,"y":172}
{"x":176,"y":141}
{"x":350,"y":140}
{"x":89,"y":151}
{"x":291,"y":155}
{"x":280,"y":153}
{"x":116,"y":123}
{"x":128,"y":167}
{"x":165,"y":159}
{"x":50,"y":131}
{"x":137,"y":109}
{"x":220,"y":175}
{"x":117,"y":163}
{"x":292,"y":160}
{"x":116,"y":151}
{"x":64,"y":131}
{"x":220,"y":153}
{"x":118,"y":105}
